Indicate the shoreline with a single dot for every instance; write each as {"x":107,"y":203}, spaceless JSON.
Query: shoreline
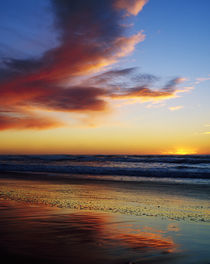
{"x":169,"y":201}
{"x":67,"y":178}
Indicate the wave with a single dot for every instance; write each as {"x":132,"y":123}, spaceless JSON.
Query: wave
{"x":137,"y":172}
{"x":177,"y":159}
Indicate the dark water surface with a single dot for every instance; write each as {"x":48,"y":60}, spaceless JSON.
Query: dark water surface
{"x":175,"y":168}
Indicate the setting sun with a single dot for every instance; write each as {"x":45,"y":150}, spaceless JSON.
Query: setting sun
{"x":181,"y":151}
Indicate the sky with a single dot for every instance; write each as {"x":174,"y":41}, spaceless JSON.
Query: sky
{"x":104,"y":77}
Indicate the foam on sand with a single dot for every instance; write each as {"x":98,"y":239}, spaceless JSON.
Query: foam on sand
{"x":160,"y":200}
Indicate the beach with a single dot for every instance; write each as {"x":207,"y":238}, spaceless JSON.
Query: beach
{"x":90,"y":221}
{"x":104,"y":132}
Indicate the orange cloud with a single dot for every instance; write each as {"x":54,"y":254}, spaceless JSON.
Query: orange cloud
{"x":27,"y":122}
{"x":126,"y":45}
{"x":147,"y":93}
{"x":142,"y":92}
{"x":132,"y":7}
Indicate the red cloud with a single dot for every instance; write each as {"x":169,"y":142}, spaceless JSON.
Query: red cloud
{"x":27,"y":122}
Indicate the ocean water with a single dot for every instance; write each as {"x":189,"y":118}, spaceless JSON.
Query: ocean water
{"x":156,"y":168}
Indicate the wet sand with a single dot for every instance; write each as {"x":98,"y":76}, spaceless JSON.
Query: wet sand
{"x":167,"y":201}
{"x":98,"y":222}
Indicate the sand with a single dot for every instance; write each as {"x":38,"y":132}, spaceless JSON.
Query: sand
{"x":168,"y":201}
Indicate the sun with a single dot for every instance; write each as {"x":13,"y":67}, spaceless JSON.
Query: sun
{"x":180,"y":151}
{"x":183,"y":152}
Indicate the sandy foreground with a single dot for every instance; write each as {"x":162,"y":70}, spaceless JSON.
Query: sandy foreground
{"x":168,"y":201}
{"x":109,"y":222}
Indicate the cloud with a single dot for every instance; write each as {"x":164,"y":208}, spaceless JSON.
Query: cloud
{"x":72,"y":99}
{"x":132,"y":7}
{"x":172,"y":83}
{"x":90,"y":38}
{"x":202,"y":79}
{"x":27,"y":122}
{"x":175,"y":108}
{"x":129,"y":83}
{"x":69,"y":77}
{"x":155,"y":104}
{"x":147,"y":92}
{"x":141,"y":92}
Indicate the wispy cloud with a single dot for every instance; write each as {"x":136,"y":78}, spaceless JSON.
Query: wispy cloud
{"x":202,"y":79}
{"x":206,"y":133}
{"x":175,"y":108}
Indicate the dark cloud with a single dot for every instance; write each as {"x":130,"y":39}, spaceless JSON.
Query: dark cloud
{"x":172,"y":83}
{"x":94,"y":20}
{"x":117,"y":73}
{"x":112,"y":78}
{"x":73,"y":99}
{"x":145,"y":78}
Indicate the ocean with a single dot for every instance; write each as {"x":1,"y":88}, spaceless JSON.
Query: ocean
{"x":193,"y":169}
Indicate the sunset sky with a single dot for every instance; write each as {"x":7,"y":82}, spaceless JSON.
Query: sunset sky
{"x":105,"y":77}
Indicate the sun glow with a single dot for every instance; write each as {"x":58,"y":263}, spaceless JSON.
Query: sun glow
{"x":181,"y":151}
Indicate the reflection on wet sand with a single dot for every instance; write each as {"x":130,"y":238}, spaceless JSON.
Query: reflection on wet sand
{"x":35,"y":234}
{"x":147,"y":242}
